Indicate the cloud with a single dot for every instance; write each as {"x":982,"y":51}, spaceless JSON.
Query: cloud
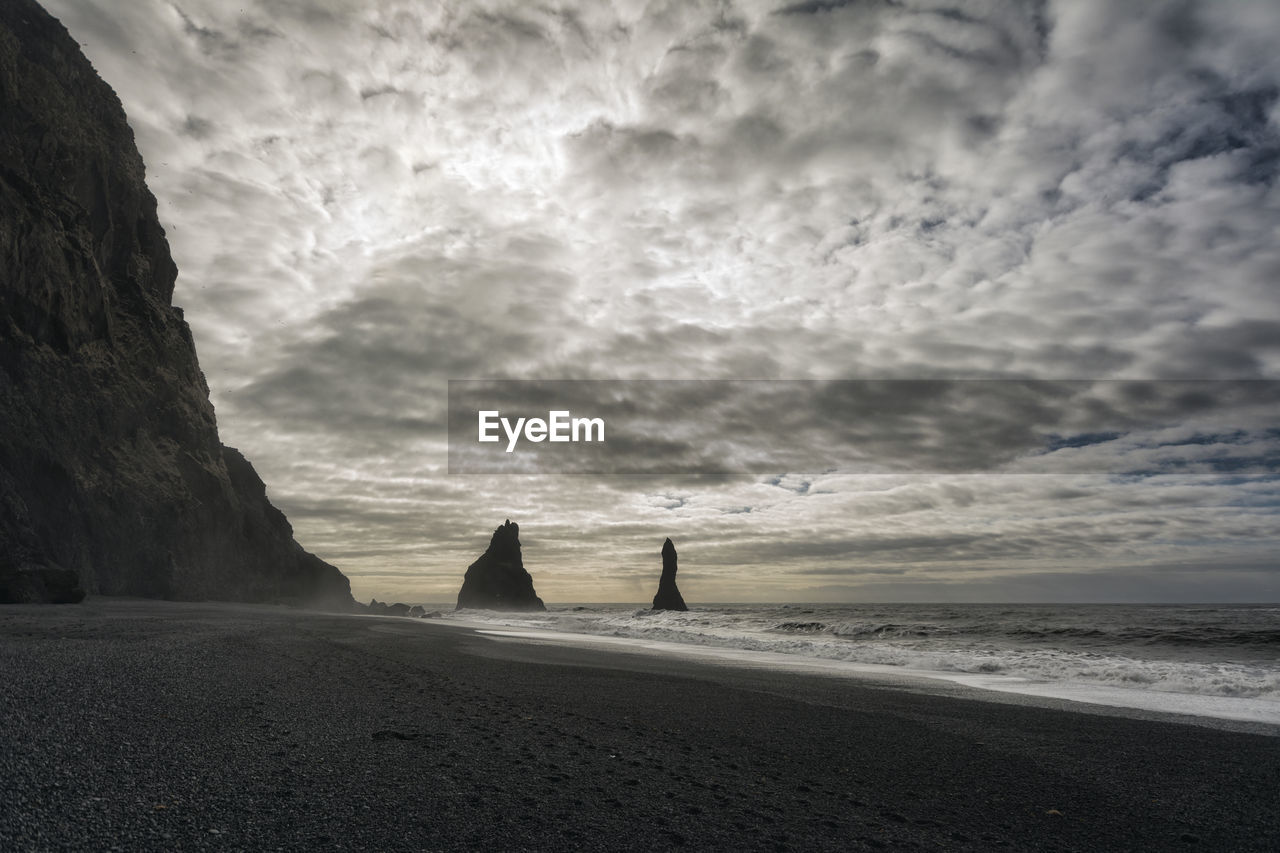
{"x":368,"y":199}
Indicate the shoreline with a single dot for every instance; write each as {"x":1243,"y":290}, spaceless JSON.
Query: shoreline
{"x":1228,"y":712}
{"x":211,"y":726}
{"x":1085,"y":699}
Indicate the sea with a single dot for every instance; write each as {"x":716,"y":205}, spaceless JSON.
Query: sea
{"x":1219,"y":661}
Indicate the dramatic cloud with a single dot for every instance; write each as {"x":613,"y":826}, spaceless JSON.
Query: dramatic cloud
{"x":367,"y":199}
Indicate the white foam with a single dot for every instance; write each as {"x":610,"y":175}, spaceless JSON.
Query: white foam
{"x":1239,"y":708}
{"x":920,"y":648}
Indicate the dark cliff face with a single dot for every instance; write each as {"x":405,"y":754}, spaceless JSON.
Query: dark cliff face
{"x":498,"y":580}
{"x":110,"y":463}
{"x":668,"y":597}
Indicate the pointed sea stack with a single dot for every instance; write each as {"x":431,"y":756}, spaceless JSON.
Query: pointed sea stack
{"x":668,"y":597}
{"x":498,"y":580}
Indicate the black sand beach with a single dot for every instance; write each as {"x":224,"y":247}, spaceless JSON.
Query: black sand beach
{"x":148,"y":725}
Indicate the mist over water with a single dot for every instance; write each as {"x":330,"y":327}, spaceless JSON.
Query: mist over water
{"x":1203,"y":650}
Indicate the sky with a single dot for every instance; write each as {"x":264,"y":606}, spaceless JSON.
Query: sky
{"x":369,"y":198}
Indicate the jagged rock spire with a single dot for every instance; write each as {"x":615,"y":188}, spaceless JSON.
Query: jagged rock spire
{"x":498,"y":580}
{"x":668,"y":597}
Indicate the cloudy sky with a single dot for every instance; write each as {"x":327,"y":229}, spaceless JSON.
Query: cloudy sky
{"x":368,"y":198}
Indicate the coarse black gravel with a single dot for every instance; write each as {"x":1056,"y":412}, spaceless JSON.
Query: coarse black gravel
{"x":136,"y":725}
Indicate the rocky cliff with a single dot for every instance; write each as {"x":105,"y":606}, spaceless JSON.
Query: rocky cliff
{"x":668,"y":597}
{"x":112,"y":477}
{"x":498,"y":580}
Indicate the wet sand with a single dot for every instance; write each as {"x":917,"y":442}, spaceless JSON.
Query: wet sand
{"x":149,"y":725}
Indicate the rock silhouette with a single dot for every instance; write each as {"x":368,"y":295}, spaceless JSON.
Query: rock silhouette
{"x":498,"y":580}
{"x":112,"y":476}
{"x":384,"y":608}
{"x":668,"y":597}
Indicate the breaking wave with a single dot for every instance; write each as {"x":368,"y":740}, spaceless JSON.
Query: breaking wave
{"x":1228,"y":651}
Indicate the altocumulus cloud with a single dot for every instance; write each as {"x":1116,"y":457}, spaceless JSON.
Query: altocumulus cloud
{"x":366,"y":199}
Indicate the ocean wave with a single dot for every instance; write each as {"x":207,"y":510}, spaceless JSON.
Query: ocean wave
{"x":1110,"y":655}
{"x":800,"y":627}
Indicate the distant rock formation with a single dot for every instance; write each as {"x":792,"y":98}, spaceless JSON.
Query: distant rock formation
{"x":668,"y":597}
{"x":112,"y":476}
{"x":382,"y":608}
{"x":498,"y":580}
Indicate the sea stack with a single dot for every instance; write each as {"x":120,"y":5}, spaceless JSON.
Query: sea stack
{"x":498,"y":580}
{"x":668,"y":597}
{"x":112,"y":477}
